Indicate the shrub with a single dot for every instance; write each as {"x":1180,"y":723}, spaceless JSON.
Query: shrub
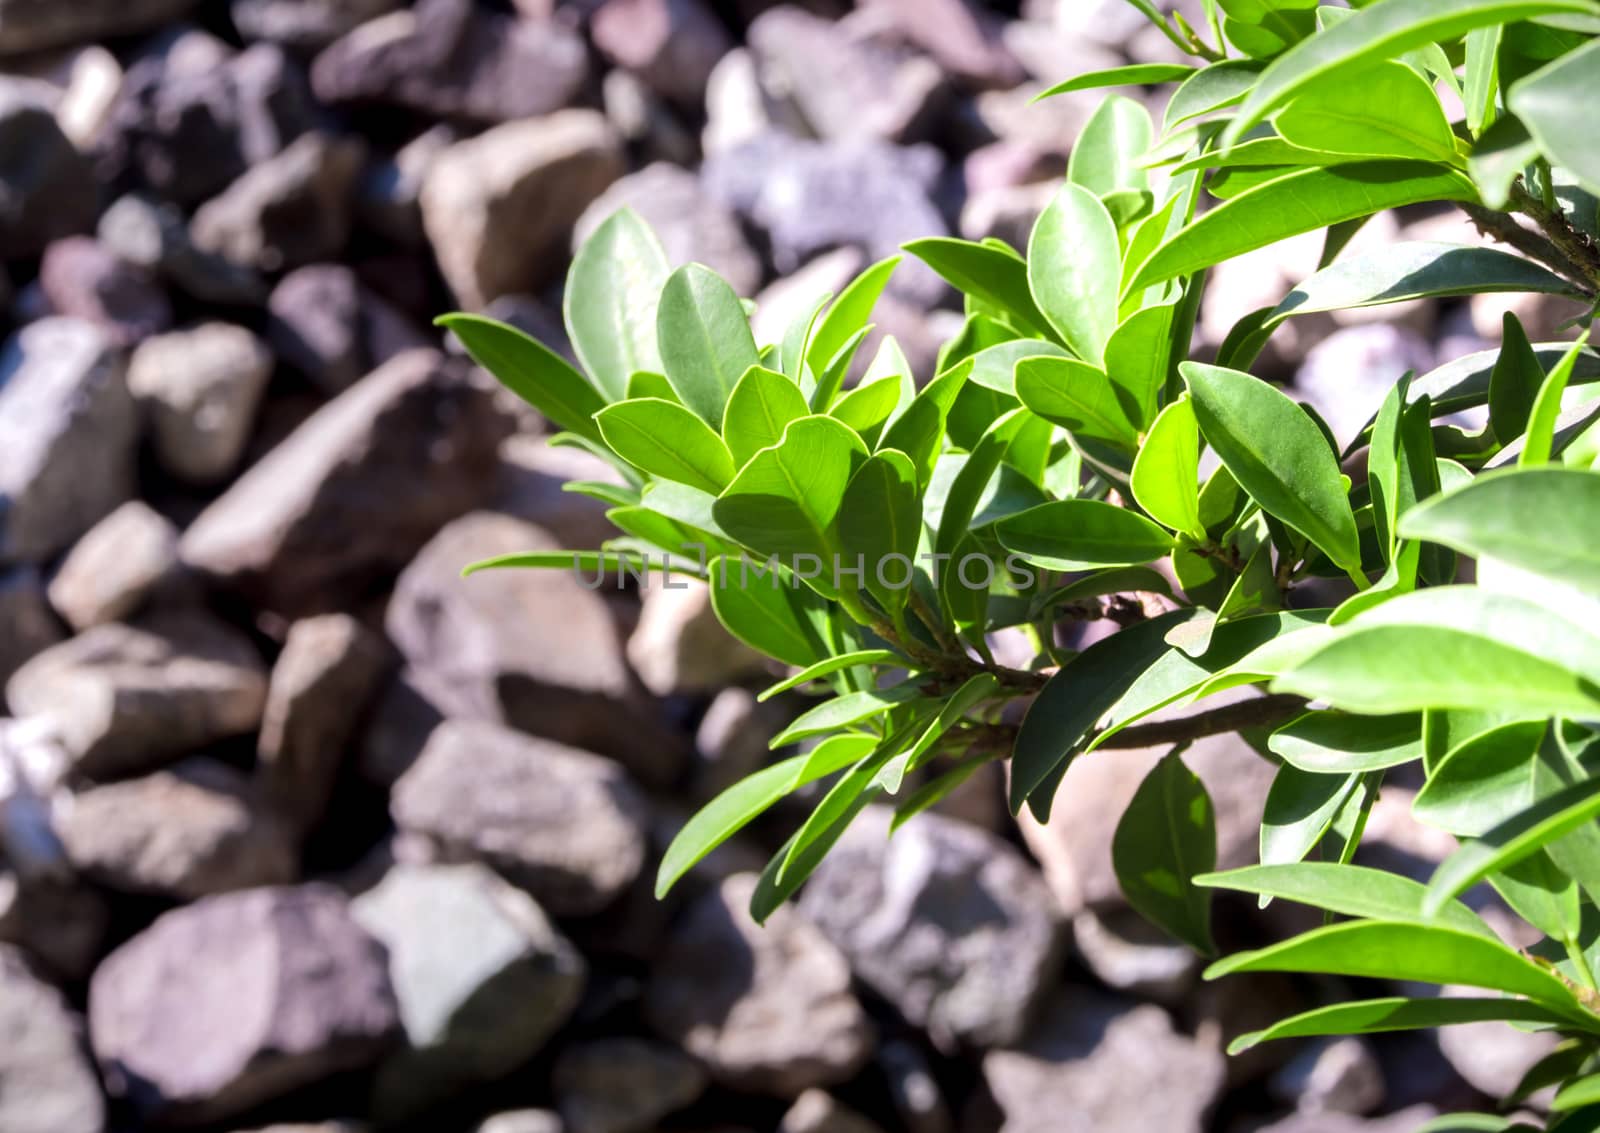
{"x":1055,"y":458}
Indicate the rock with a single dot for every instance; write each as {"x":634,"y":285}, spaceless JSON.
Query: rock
{"x":1008,"y":165}
{"x":739,"y":109}
{"x":768,"y":1009}
{"x":565,"y":825}
{"x":1493,"y":1057}
{"x":67,"y":436}
{"x":47,"y":1084}
{"x":114,"y":570}
{"x":389,"y":193}
{"x":535,"y":650}
{"x":155,"y":236}
{"x":329,"y":670}
{"x":693,"y":227}
{"x":844,"y":79}
{"x":82,"y":279}
{"x":319,"y":1127}
{"x":1128,"y":954}
{"x":794,"y":297}
{"x":186,"y":833}
{"x":304,"y":25}
{"x":49,"y":185}
{"x":1405,"y":1121}
{"x":193,"y":116}
{"x":731,"y":742}
{"x":1097,"y":1064}
{"x":237,"y":999}
{"x":671,"y":44}
{"x":1331,"y":1076}
{"x":290,"y":210}
{"x":25,"y":612}
{"x":482,"y":977}
{"x":522,"y":1121}
{"x":1046,"y":53}
{"x":34,"y":25}
{"x":914,"y":1089}
{"x":1005,"y":213}
{"x":453,"y":59}
{"x":817,"y":1111}
{"x":1018,"y":117}
{"x":945,"y":921}
{"x":323,"y":321}
{"x":60,"y":924}
{"x":532,"y":476}
{"x":623,"y":1085}
{"x":405,"y":715}
{"x":1075,"y":847}
{"x":960,"y":35}
{"x":1545,"y":318}
{"x":680,"y":648}
{"x":1354,"y":368}
{"x":1263,"y":278}
{"x":128,"y":697}
{"x":323,"y":516}
{"x":646,"y":121}
{"x":499,"y":208}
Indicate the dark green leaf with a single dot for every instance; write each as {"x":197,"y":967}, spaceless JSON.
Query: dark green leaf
{"x":1081,"y":535}
{"x":1165,"y":838}
{"x":1332,"y":742}
{"x":537,"y":375}
{"x":1377,"y":1016}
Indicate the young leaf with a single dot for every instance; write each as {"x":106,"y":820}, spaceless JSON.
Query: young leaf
{"x":665,"y":439}
{"x":1138,"y":358}
{"x":1108,"y":153}
{"x":1077,"y":396}
{"x":1329,"y":743}
{"x":868,"y":407}
{"x":1136,"y":74}
{"x":704,"y":339}
{"x":1074,"y":269}
{"x":537,"y":375}
{"x":1278,"y":455}
{"x":784,"y":500}
{"x":1542,"y":419}
{"x":849,"y":314}
{"x":771,"y":613}
{"x":1081,"y":535}
{"x":1166,"y":473}
{"x":1387,"y":110}
{"x":919,"y":431}
{"x":843,"y":711}
{"x":995,"y":276}
{"x":1514,"y":383}
{"x":610,"y":301}
{"x":1165,"y":838}
{"x":760,"y":408}
{"x":588,"y":562}
{"x":1210,"y":89}
{"x":880,"y":519}
{"x":1483,"y":77}
{"x":828,"y":668}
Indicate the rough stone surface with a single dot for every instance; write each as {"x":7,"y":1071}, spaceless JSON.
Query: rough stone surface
{"x":356,"y":490}
{"x":565,"y":825}
{"x":1095,"y":1064}
{"x":945,"y":921}
{"x":389,"y":194}
{"x":81,"y":279}
{"x":499,"y":208}
{"x":817,"y":1111}
{"x":481,"y":976}
{"x":1493,"y":1058}
{"x":522,"y":1121}
{"x":731,"y":741}
{"x":453,"y":59}
{"x":128,"y":697}
{"x":329,"y":670}
{"x":304,"y":25}
{"x":914,"y":1088}
{"x":114,"y":570}
{"x":1332,"y":1076}
{"x":49,"y":187}
{"x":1406,"y":1121}
{"x":765,"y":1008}
{"x":67,"y":436}
{"x":34,"y":25}
{"x":25,"y":612}
{"x":60,"y":924}
{"x":324,"y":322}
{"x":533,"y":649}
{"x":154,"y":235}
{"x":532,"y":475}
{"x":237,"y":999}
{"x":1128,"y":954}
{"x":47,"y":1084}
{"x":671,"y":44}
{"x":681,"y":648}
{"x":185,"y":833}
{"x":960,"y":35}
{"x":623,"y":1085}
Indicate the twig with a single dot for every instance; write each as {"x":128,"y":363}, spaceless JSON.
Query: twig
{"x":1499,"y":226}
{"x":1258,"y":712}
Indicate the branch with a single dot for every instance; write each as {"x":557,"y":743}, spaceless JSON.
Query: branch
{"x":1499,"y":226}
{"x":1261,"y":711}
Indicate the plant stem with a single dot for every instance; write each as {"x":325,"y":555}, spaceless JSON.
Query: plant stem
{"x":1261,"y":711}
{"x":1499,"y":226}
{"x":1580,"y":961}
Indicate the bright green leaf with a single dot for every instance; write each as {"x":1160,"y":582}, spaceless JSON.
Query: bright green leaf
{"x":665,"y":439}
{"x":610,"y":301}
{"x":704,"y":339}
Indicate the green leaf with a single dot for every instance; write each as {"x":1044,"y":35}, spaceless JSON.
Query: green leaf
{"x":1384,"y":111}
{"x":1483,"y":77}
{"x":994,"y":367}
{"x":1081,"y":535}
{"x":1137,"y":74}
{"x":665,"y":439}
{"x":868,"y":407}
{"x":1349,"y":891}
{"x":739,"y":805}
{"x":1300,"y":808}
{"x":610,"y":301}
{"x":772,"y":614}
{"x":796,"y":861}
{"x":1483,"y":781}
{"x":1164,"y":839}
{"x":973,"y":692}
{"x":1138,"y":357}
{"x":705,"y":340}
{"x":919,"y":431}
{"x":1514,"y":383}
{"x":1210,"y":89}
{"x":760,"y":408}
{"x":1077,"y":396}
{"x":1555,"y":103}
{"x":1114,"y":580}
{"x":1542,"y":419}
{"x":535,"y":374}
{"x":849,"y":313}
{"x":880,"y":520}
{"x":1383,"y":31}
{"x":1498,"y":159}
{"x":784,"y":501}
{"x":1109,"y":151}
{"x":1539,"y":519}
{"x":1166,"y":473}
{"x":1575,"y":1095}
{"x":1541,"y":894}
{"x":844,"y":711}
{"x":1299,"y":202}
{"x":792,"y":350}
{"x":1074,"y":268}
{"x":1329,"y":743}
{"x":646,"y":383}
{"x":830,"y":666}
{"x":584,"y":562}
{"x":997,"y":277}
{"x":1379,"y":1016}
{"x":1278,"y":455}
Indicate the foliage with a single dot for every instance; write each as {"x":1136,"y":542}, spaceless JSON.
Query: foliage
{"x":1069,"y":460}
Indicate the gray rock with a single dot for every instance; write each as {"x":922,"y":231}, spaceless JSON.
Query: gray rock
{"x":482,"y":978}
{"x":1095,"y":1064}
{"x":1493,"y":1057}
{"x":739,"y":109}
{"x":186,"y":833}
{"x":1331,"y":1076}
{"x":200,"y":389}
{"x":671,"y":44}
{"x":289,"y":210}
{"x":388,"y":197}
{"x":115,"y":569}
{"x":960,"y":35}
{"x":1354,"y":368}
{"x":732,"y":740}
{"x":128,"y":697}
{"x":34,"y":25}
{"x":405,"y":715}
{"x":679,"y":646}
{"x":237,"y":999}
{"x":565,"y":825}
{"x":25,"y":612}
{"x":766,"y":1008}
{"x":452,"y":59}
{"x":319,"y":1127}
{"x":329,"y":671}
{"x":945,"y":921}
{"x":81,"y":279}
{"x":692,"y":225}
{"x":623,"y":1085}
{"x":522,"y":1121}
{"x":49,"y":186}
{"x":323,"y":321}
{"x":1006,"y":213}
{"x":499,"y":208}
{"x":794,"y":297}
{"x":47,"y":1084}
{"x":67,"y":436}
{"x":646,"y":121}
{"x":304,"y":25}
{"x":1128,"y":954}
{"x":155,"y":236}
{"x":1406,"y":1121}
{"x":817,"y":1111}
{"x":324,"y":515}
{"x":914,"y":1088}
{"x":532,"y":478}
{"x":60,"y":924}
{"x":535,"y":650}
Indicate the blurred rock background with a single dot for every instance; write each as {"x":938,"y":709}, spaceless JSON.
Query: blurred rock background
{"x":300,"y":830}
